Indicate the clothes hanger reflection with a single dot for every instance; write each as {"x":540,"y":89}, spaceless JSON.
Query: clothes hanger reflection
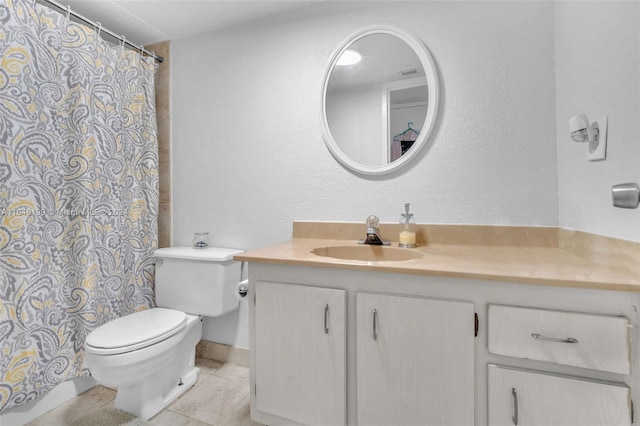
{"x":403,"y":141}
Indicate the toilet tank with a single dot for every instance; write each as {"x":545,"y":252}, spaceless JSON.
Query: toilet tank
{"x":197,"y":281}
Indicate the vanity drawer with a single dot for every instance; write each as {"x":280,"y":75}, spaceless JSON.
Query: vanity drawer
{"x":526,"y":397}
{"x":598,"y":342}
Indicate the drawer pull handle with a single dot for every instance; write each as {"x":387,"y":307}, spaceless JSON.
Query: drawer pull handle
{"x":326,"y":319}
{"x":554,"y":339}
{"x":375,"y":327}
{"x":515,"y":406}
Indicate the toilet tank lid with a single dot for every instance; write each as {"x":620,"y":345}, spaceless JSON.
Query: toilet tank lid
{"x":211,"y":254}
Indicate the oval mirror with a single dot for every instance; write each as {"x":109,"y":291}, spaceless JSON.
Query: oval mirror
{"x":379,"y":100}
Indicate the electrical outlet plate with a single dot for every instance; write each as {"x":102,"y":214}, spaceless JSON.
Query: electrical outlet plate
{"x":598,"y":151}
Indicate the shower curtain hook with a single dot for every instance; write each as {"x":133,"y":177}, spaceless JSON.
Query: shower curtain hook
{"x":66,"y":18}
{"x":123,"y":40}
{"x":99,"y":25}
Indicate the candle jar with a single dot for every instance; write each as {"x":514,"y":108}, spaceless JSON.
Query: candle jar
{"x":407,"y":237}
{"x":201,"y":240}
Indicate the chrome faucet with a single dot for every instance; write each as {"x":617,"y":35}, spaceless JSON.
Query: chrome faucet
{"x":373,"y":233}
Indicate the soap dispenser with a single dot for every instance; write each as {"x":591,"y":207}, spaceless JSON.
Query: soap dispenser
{"x":407,"y":236}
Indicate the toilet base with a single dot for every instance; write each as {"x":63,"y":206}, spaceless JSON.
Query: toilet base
{"x":147,"y":399}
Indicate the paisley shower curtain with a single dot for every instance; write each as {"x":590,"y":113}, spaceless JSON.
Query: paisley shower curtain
{"x":78,"y":193}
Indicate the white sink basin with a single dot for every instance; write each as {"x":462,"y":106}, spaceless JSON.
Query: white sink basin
{"x":367,"y":253}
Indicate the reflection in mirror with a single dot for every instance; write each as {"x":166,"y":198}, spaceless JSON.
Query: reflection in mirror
{"x":359,"y":91}
{"x":380,"y":92}
{"x":405,"y":116}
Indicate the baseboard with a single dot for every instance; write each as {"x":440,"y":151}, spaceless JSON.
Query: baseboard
{"x":222,"y":353}
{"x":57,"y":396}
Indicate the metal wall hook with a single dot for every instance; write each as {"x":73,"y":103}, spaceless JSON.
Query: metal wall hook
{"x":626,"y":195}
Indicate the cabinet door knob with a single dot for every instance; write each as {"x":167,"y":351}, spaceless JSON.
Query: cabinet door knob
{"x":554,"y":339}
{"x":375,"y":321}
{"x":326,"y":319}
{"x":514,"y":393}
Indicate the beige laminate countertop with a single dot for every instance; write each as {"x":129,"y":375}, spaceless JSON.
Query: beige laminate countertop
{"x":550,"y":266}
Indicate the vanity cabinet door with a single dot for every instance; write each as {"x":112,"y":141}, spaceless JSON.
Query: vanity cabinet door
{"x":527,"y":398}
{"x":415,"y":360}
{"x":300,"y":353}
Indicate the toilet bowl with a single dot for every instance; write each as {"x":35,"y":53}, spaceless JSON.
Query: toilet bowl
{"x":149,"y":356}
{"x":153,"y":369}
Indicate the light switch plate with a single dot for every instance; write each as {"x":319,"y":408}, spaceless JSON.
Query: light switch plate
{"x":598,"y":152}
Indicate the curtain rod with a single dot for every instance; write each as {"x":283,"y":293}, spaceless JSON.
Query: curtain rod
{"x":98,"y":26}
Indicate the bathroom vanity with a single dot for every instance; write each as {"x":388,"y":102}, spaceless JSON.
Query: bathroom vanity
{"x":519,"y":326}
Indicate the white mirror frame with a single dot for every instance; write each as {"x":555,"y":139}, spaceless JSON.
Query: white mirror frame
{"x":432,"y":86}
{"x":432,"y":111}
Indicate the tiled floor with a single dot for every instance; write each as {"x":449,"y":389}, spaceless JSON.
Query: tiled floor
{"x":219,"y":398}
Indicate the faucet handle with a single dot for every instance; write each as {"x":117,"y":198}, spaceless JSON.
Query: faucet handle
{"x":373,"y":221}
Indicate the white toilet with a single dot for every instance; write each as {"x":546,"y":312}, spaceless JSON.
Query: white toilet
{"x":149,"y":356}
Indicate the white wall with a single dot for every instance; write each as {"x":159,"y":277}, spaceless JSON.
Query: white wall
{"x":248,"y":157}
{"x":598,"y":73}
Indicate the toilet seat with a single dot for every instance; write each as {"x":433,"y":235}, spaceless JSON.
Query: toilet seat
{"x":135,"y":331}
